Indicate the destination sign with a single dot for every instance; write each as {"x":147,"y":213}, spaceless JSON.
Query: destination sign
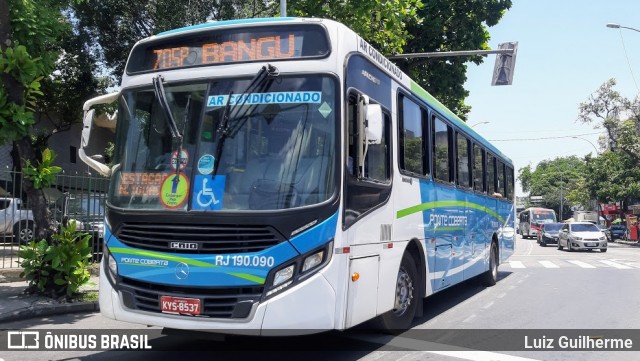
{"x":215,"y":47}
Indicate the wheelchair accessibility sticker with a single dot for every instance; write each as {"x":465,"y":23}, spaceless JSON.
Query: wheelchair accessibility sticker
{"x":207,"y":192}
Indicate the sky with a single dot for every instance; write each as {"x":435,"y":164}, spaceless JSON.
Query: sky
{"x":565,"y":52}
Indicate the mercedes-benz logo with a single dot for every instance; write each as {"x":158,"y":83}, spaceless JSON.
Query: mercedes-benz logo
{"x":182,"y":270}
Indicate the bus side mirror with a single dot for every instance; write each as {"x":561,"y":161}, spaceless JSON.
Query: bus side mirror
{"x":373,"y":130}
{"x":87,"y":124}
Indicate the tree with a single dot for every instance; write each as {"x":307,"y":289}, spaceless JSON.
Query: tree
{"x":450,"y":25}
{"x":111,"y":27}
{"x":619,"y":116}
{"x":553,"y":180}
{"x":30,"y":34}
{"x":613,"y":177}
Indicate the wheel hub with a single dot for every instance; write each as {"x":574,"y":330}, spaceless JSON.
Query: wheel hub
{"x":404,"y":292}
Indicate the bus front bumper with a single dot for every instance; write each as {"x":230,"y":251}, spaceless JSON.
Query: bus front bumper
{"x":308,"y":307}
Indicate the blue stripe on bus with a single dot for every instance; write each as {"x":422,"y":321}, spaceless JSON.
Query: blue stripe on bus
{"x":245,"y":269}
{"x":223,"y":23}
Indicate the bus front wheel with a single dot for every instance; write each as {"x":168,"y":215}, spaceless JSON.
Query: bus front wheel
{"x":491,"y":276}
{"x":406,"y":299}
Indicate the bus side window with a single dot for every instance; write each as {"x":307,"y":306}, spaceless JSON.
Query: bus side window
{"x":510,"y":189}
{"x":412,"y":153}
{"x":462,"y":161}
{"x":491,"y":175}
{"x":478,"y":169}
{"x":441,"y":141}
{"x":501,"y":186}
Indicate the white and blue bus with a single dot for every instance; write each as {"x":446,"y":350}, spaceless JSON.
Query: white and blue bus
{"x":282,"y":174}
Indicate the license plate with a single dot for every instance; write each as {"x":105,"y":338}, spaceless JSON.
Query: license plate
{"x":591,"y":244}
{"x":182,"y":306}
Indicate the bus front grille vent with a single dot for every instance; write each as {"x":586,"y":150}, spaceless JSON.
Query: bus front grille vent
{"x":190,"y":238}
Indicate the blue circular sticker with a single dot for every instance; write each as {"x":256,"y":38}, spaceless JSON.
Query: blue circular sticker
{"x":205,"y":164}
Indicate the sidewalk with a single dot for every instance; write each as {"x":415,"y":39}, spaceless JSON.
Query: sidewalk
{"x":15,"y":305}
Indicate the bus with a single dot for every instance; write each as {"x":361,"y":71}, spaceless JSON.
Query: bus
{"x":282,"y":174}
{"x":531,"y":218}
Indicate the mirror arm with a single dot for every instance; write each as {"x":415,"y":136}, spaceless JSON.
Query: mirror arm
{"x":100,"y":167}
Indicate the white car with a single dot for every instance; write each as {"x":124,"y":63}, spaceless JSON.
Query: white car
{"x":582,"y":235}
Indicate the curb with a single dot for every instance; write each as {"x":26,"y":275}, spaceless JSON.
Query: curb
{"x":49,"y":310}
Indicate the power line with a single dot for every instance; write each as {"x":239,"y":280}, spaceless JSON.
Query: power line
{"x":544,"y":138}
{"x":628,"y":62}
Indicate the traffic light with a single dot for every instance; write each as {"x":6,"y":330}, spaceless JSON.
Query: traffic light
{"x":505,"y":64}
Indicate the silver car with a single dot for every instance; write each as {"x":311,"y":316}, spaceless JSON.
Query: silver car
{"x":581,"y":235}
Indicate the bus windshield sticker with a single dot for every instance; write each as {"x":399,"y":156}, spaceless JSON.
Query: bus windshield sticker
{"x":265,"y":98}
{"x":325,"y":109}
{"x":205,"y":164}
{"x":208,"y":193}
{"x":184,"y":159}
{"x":140,"y":184}
{"x":174,"y":190}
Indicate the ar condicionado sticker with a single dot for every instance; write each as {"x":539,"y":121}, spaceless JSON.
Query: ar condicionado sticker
{"x":174,"y":190}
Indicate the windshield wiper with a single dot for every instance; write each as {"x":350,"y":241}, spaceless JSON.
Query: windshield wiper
{"x":224,"y":130}
{"x":162,"y":99}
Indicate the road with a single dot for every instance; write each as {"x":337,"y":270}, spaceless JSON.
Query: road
{"x":539,"y":289}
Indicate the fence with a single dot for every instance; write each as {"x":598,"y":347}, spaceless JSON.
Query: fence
{"x":84,"y":205}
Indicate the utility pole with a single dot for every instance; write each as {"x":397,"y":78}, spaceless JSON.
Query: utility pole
{"x":561,"y":198}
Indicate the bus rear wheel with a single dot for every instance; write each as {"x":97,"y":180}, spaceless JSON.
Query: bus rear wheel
{"x":406,"y":299}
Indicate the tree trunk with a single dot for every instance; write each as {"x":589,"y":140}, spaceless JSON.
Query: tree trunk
{"x":36,"y":201}
{"x":15,"y":91}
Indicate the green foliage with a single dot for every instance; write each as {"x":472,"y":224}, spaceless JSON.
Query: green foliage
{"x":45,"y":173}
{"x":382,"y":23}
{"x":553,"y":180}
{"x":17,"y":117}
{"x":450,"y":25}
{"x":59,"y":269}
{"x":620,"y":118}
{"x":613,"y":176}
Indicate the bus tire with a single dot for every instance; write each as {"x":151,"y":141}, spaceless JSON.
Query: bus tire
{"x":490,"y":277}
{"x":406,"y":299}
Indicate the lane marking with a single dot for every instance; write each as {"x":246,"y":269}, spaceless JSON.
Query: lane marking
{"x":582,"y":264}
{"x":616,"y":265}
{"x":411,"y":344}
{"x":516,"y":264}
{"x":548,"y":264}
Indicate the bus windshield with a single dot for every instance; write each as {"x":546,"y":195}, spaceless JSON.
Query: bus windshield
{"x":276,"y":147}
{"x":543,"y":216}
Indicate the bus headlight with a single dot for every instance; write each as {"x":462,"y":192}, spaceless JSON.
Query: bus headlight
{"x":312,"y":261}
{"x":283,"y":275}
{"x":298,"y":269}
{"x":110,"y":265}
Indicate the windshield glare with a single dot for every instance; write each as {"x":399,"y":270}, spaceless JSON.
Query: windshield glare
{"x":278,"y":153}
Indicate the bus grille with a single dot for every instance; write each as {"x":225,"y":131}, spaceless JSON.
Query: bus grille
{"x":228,"y":302}
{"x":192,"y":238}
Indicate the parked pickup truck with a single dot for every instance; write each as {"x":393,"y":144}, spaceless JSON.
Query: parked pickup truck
{"x":15,"y":221}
